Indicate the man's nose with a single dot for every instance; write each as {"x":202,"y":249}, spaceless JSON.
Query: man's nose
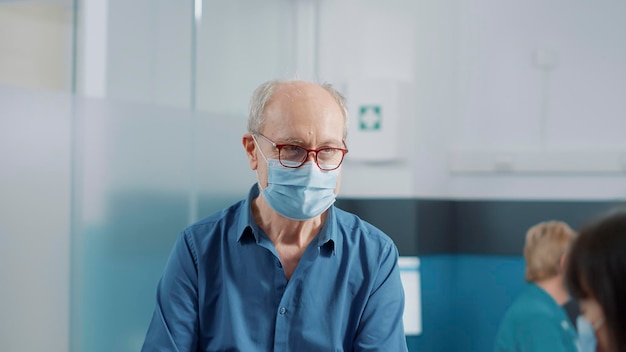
{"x":311,"y":155}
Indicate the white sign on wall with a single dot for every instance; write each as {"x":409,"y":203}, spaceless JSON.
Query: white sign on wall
{"x":373,"y":130}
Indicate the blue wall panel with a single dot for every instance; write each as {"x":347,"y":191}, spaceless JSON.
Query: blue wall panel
{"x":437,"y":294}
{"x":484,"y":287}
{"x":463,"y":300}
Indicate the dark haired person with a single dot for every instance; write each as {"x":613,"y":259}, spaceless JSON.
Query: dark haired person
{"x":596,"y":275}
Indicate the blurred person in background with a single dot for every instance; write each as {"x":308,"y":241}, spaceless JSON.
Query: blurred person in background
{"x":536,"y":321}
{"x":596,"y":276}
{"x":284,"y":269}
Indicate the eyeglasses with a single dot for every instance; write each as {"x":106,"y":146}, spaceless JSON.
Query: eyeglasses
{"x":294,"y":156}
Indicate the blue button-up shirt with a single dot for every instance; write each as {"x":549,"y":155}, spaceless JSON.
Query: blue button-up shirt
{"x":224,"y":289}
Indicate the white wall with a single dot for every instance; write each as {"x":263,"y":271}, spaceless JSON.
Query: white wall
{"x":509,"y":104}
{"x":477,"y":91}
{"x":373,"y":40}
{"x":35,"y":42}
{"x":475,"y":95}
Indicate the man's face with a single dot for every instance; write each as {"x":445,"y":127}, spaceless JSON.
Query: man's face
{"x":299,"y":113}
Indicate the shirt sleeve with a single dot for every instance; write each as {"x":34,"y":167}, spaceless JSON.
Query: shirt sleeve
{"x":542,"y":335}
{"x":381,"y":327}
{"x":174,"y":325}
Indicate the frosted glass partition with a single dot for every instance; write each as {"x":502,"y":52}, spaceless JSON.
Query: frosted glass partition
{"x":207,"y":57}
{"x":241,"y":43}
{"x":93,"y":194}
{"x":148,"y":51}
{"x":34,"y":220}
{"x":143,"y":173}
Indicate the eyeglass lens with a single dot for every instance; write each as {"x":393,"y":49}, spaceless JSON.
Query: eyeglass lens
{"x":327,"y":158}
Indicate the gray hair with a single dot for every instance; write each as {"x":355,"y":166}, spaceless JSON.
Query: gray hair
{"x":264,"y":93}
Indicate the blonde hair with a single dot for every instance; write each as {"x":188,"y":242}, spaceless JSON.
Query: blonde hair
{"x":546,"y":243}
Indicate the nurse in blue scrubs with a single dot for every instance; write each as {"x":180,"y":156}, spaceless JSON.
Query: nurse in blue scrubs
{"x":536,"y":321}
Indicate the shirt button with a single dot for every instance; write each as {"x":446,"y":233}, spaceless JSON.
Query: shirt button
{"x":278,"y":264}
{"x":282,"y":310}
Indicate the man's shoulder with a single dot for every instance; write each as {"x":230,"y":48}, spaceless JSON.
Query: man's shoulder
{"x":226,"y":216}
{"x":530,"y":310}
{"x":531,"y":317}
{"x":528,"y":304}
{"x":354,"y":228}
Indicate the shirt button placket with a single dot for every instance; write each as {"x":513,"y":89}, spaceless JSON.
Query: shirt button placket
{"x":281,"y":333}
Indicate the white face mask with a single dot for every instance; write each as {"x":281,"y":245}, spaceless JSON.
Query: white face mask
{"x":586,"y":337}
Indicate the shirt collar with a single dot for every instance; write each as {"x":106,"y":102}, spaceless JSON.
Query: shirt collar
{"x":246,"y":224}
{"x":248,"y":229}
{"x":328,"y":233}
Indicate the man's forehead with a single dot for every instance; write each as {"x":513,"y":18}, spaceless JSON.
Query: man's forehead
{"x":299,"y":108}
{"x":297,"y":88}
{"x":286,"y":108}
{"x":298,"y":91}
{"x":329,"y":141}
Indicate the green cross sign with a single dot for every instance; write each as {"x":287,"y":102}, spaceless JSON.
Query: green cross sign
{"x":370,"y":117}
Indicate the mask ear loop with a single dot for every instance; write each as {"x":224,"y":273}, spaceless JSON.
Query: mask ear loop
{"x":259,"y":147}
{"x":266,"y":162}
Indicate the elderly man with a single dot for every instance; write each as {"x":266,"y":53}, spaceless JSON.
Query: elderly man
{"x":284,"y":269}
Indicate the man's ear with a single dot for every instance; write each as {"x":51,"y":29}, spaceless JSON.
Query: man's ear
{"x":250,"y":147}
